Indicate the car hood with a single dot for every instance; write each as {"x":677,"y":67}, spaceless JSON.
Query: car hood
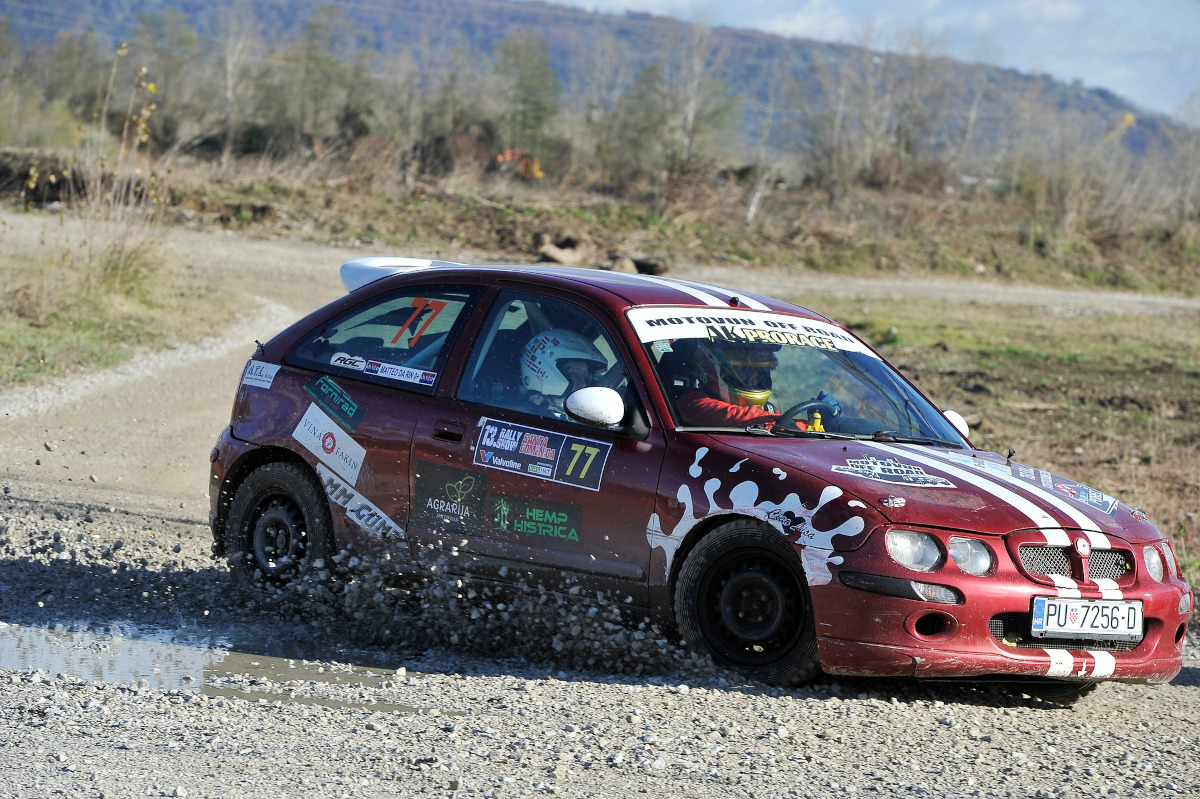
{"x":967,"y":490}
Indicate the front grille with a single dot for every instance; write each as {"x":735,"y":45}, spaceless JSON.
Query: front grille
{"x":1108,"y":564}
{"x":1012,"y":629}
{"x":1045,"y":560}
{"x":1103,"y":564}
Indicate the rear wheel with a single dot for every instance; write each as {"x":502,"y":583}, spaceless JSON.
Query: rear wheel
{"x":278,"y":525}
{"x":742,"y":597}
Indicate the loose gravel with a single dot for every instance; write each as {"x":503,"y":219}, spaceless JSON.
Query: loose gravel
{"x":129,"y":667}
{"x":435,"y":717}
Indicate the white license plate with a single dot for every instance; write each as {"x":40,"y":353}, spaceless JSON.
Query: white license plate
{"x":1110,"y":619}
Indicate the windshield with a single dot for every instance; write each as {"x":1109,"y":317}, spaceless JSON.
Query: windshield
{"x":781,"y":374}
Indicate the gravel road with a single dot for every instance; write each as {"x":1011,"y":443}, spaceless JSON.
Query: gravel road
{"x":126,"y":669}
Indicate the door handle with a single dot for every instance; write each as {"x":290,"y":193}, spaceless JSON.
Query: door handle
{"x":449,"y":431}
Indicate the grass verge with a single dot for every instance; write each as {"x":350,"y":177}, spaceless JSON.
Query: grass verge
{"x":49,"y":328}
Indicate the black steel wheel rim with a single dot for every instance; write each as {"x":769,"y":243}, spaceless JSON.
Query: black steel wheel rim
{"x":277,"y":537}
{"x":752,"y":608}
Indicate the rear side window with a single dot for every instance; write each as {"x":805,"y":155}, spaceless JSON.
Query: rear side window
{"x":400,"y":339}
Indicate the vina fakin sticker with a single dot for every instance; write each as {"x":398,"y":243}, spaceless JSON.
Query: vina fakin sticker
{"x":333,"y":446}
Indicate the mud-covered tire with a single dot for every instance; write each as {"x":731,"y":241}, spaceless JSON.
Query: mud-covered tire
{"x":742,"y":597}
{"x":279,"y":524}
{"x":1057,"y":692}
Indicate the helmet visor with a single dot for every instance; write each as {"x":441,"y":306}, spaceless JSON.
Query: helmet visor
{"x":746,"y":368}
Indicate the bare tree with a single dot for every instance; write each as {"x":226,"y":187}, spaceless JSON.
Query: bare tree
{"x":701,"y":103}
{"x":600,"y":75}
{"x":240,"y":46}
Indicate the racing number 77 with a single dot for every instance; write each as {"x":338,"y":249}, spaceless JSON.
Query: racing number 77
{"x":580,"y":449}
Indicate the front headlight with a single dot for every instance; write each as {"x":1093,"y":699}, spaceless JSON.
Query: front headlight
{"x":1172,"y":563}
{"x":913,"y":550}
{"x":970,"y":555}
{"x":1154,"y":563}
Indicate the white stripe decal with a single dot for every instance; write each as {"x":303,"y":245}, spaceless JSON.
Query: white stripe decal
{"x":749,"y":302}
{"x":1062,"y":663}
{"x":1035,"y":514}
{"x":1081,"y":519}
{"x":1106,"y":664}
{"x":1067,"y":587}
{"x":1098,"y":540}
{"x":678,"y":285}
{"x":1108,"y":588}
{"x":1057,"y":538}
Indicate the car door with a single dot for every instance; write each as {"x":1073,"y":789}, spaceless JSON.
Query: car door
{"x":371,"y":373}
{"x":511,"y":489}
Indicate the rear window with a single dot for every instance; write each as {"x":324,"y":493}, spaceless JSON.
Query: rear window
{"x":399,"y":339}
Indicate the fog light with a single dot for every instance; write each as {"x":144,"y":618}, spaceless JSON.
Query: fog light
{"x":1154,"y":562}
{"x":1185,"y":603}
{"x":913,"y":550}
{"x":970,"y":555}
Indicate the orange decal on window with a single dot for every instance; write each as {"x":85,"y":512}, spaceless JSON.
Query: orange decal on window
{"x":420,"y":305}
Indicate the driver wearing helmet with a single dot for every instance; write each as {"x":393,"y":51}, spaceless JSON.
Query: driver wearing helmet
{"x":726,"y":384}
{"x":555,"y":364}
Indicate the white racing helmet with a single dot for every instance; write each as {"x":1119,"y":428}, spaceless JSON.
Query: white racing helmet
{"x":542,"y":364}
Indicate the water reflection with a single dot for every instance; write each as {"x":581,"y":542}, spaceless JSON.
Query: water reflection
{"x":116,"y":657}
{"x":172,"y":660}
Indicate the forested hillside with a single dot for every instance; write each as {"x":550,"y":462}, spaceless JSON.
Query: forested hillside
{"x":512,"y":123}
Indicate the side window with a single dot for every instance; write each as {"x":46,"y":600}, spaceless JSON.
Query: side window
{"x":398,"y":339}
{"x":533,"y":351}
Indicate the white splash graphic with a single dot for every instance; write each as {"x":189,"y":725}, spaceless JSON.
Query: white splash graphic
{"x":780,"y":473}
{"x":787,"y":516}
{"x":736,"y":466}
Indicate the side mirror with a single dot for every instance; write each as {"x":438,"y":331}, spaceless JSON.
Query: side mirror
{"x":960,"y":424}
{"x":597,"y":406}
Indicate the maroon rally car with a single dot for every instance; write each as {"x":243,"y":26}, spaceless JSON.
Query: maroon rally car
{"x":748,"y":471}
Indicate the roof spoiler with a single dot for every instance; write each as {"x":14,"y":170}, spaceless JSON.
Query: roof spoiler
{"x":362,"y":271}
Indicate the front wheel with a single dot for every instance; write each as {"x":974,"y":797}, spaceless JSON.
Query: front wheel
{"x":278,"y":524}
{"x":742,"y":597}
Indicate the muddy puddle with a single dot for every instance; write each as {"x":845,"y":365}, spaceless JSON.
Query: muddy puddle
{"x":187,"y":660}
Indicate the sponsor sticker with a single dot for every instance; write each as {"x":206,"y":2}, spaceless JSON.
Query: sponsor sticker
{"x":359,"y":509}
{"x":1061,"y":485}
{"x":259,"y":373}
{"x":449,"y":499}
{"x":541,"y":453}
{"x":891,"y":470}
{"x":334,"y":399}
{"x":527,"y":518}
{"x":404,"y":374}
{"x":333,"y":446}
{"x":976,"y":463}
{"x":347,"y":361}
{"x":658,"y":324}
